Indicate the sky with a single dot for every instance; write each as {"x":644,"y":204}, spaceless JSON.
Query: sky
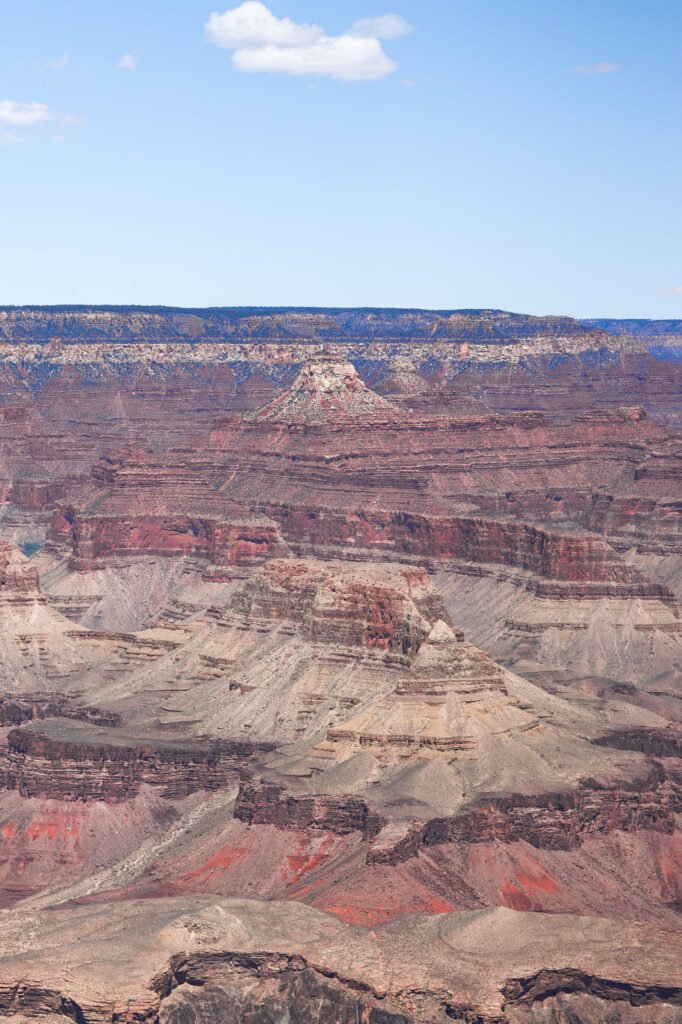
{"x":514,"y":154}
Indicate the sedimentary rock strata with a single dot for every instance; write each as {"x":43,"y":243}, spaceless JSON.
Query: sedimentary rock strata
{"x":18,"y":579}
{"x":334,"y":643}
{"x":63,"y":760}
{"x":246,"y":540}
{"x":327,"y":389}
{"x":387,"y":608}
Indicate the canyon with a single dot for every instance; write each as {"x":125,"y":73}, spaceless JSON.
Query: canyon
{"x":341,"y":666}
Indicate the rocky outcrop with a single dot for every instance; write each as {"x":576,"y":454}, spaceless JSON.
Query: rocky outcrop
{"x":98,"y":537}
{"x":565,"y":565}
{"x":446,"y":663}
{"x":18,"y":579}
{"x":235,"y":960}
{"x":388,"y":608}
{"x":556,"y":821}
{"x":655,"y":742}
{"x":234,"y":987}
{"x":244,"y":541}
{"x":562,"y":821}
{"x":271,"y":805}
{"x":422,"y":487}
{"x":37,"y":495}
{"x":29,"y":708}
{"x":327,"y":388}
{"x":564,"y":557}
{"x":58,"y":761}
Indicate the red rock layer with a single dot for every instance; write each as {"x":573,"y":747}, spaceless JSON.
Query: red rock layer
{"x":390,"y":610}
{"x":585,"y":562}
{"x":224,"y":543}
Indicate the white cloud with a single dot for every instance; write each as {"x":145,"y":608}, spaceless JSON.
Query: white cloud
{"x":128,"y":62}
{"x":604,"y":67}
{"x":261,"y":42}
{"x":29,"y":116}
{"x":59,"y":63}
{"x":21,"y":115}
{"x":252,"y":24}
{"x":388,"y":26}
{"x":344,"y":57}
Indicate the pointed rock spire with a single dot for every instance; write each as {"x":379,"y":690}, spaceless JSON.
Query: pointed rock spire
{"x":327,"y":387}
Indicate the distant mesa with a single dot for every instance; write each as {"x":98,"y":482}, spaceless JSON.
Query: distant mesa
{"x":87,"y":325}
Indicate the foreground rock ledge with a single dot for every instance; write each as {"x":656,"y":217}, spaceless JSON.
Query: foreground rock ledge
{"x":236,"y":960}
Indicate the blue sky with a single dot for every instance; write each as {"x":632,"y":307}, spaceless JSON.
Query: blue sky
{"x":518,"y":154}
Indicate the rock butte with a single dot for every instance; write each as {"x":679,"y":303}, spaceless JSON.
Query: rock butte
{"x":340,"y":671}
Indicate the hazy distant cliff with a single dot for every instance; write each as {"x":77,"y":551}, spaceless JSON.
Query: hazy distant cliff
{"x":137,"y":324}
{"x":637,"y":328}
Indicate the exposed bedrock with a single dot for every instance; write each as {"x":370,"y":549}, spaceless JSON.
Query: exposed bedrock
{"x":37,"y":495}
{"x":651,"y":524}
{"x":655,"y":742}
{"x":202,"y":960}
{"x":224,"y":542}
{"x":390,"y":608}
{"x":284,"y":506}
{"x":270,"y":804}
{"x":328,"y":387}
{"x":46,"y":325}
{"x":18,"y":578}
{"x":503,"y":360}
{"x":17,"y":710}
{"x":554,"y":821}
{"x":566,"y":565}
{"x":64,"y":760}
{"x":234,"y":988}
{"x":582,"y":565}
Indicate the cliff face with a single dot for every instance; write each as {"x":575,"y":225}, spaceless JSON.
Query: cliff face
{"x":648,"y":328}
{"x":17,"y":577}
{"x":157,"y":325}
{"x":558,"y":821}
{"x":587,"y":563}
{"x":380,"y":609}
{"x":354,"y":473}
{"x":61,"y":761}
{"x":245,"y":356}
{"x":223,"y":542}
